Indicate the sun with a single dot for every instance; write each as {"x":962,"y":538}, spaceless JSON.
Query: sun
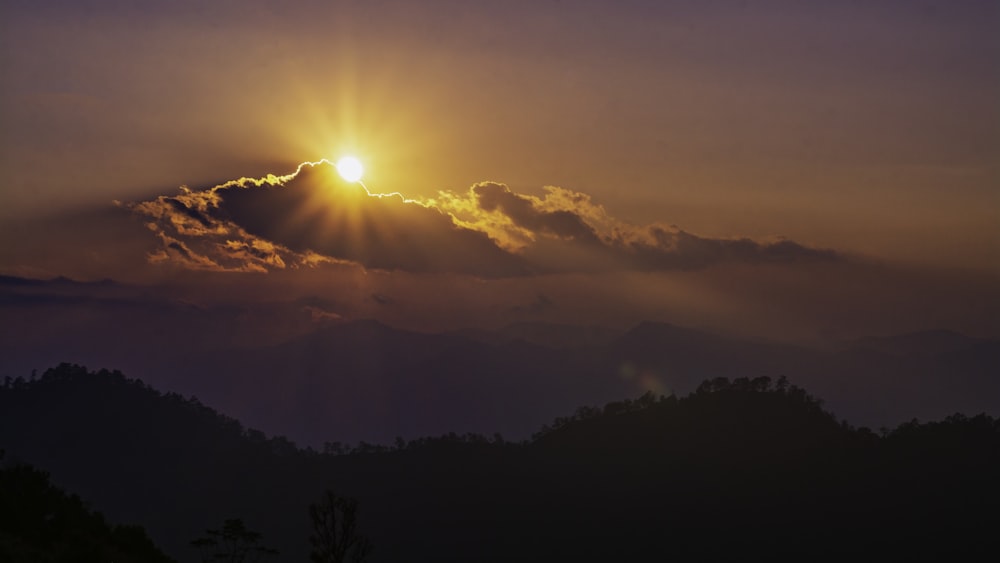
{"x":350,"y":168}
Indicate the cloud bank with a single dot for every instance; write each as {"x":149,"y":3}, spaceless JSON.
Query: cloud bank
{"x":312,"y":217}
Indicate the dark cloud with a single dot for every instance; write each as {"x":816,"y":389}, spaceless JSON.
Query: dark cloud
{"x":565,"y":231}
{"x":183,"y":208}
{"x":317,"y":212}
{"x":179,"y":252}
{"x":180,"y":249}
{"x":312,"y":217}
{"x":524,"y":213}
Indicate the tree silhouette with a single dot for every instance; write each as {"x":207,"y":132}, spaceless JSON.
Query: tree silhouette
{"x":742,"y":468}
{"x":41,"y":522}
{"x":335,"y":531}
{"x":234,"y":543}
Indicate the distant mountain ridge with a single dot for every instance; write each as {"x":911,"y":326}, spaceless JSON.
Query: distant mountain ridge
{"x":552,"y":335}
{"x":476,"y":383}
{"x":277,"y":367}
{"x":15,"y":281}
{"x":921,"y":343}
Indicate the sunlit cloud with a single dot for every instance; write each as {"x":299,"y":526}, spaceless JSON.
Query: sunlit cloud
{"x":312,"y":217}
{"x":563,"y":226}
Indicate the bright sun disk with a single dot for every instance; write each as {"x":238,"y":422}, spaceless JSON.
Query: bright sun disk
{"x":350,"y":168}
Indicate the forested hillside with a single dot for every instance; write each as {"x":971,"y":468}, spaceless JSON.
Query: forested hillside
{"x":43,"y":524}
{"x":738,"y":468}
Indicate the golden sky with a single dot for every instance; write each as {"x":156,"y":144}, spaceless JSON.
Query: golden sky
{"x":820,"y":133}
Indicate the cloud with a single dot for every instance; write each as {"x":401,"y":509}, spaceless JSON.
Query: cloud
{"x":311,"y":217}
{"x":530,"y":215}
{"x":564,"y":230}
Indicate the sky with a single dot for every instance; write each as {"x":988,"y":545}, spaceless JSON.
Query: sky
{"x":784,"y":169}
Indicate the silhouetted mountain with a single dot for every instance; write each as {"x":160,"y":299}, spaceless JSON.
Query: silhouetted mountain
{"x":15,"y":281}
{"x":365,"y":380}
{"x":923,"y":343}
{"x":856,"y":382}
{"x":281,"y":367}
{"x":56,"y":282}
{"x":680,"y":358}
{"x":550,"y":335}
{"x":744,"y":468}
{"x":41,"y":523}
{"x":142,"y":456}
{"x":17,"y":291}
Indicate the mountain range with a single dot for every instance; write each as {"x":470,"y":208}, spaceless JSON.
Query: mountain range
{"x":279,"y":368}
{"x":738,"y":468}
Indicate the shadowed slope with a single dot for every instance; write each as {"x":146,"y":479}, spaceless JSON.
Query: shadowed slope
{"x":746,"y":467}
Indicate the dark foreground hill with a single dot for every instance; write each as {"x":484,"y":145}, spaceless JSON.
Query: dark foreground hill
{"x":42,"y":524}
{"x":744,"y":468}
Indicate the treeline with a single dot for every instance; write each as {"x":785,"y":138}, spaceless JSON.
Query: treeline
{"x":41,"y":523}
{"x":67,"y":376}
{"x":649,"y":400}
{"x":739,"y":468}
